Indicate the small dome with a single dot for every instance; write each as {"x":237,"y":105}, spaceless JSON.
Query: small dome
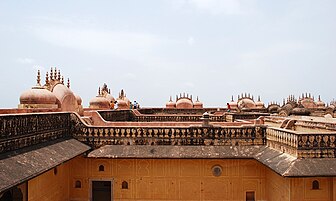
{"x":122,"y":104}
{"x":37,"y":95}
{"x":300,"y":111}
{"x":308,"y":103}
{"x":79,"y":99}
{"x":109,"y":98}
{"x":99,"y":102}
{"x":184,"y":103}
{"x":320,"y":104}
{"x":246,"y":103}
{"x":198,"y":104}
{"x":259,"y":104}
{"x":170,"y":104}
{"x":273,"y":108}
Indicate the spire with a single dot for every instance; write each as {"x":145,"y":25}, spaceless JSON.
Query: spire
{"x":59,"y":75}
{"x":319,"y":98}
{"x":232,"y":98}
{"x":170,"y":99}
{"x":51,"y":73}
{"x":47,"y":79}
{"x":62,"y":80}
{"x":55,"y":74}
{"x":109,"y":91}
{"x":68,"y":85}
{"x":191,"y":97}
{"x":197,"y":99}
{"x":38,"y":78}
{"x":259,"y":98}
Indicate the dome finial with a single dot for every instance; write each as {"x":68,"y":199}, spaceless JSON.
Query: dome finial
{"x":38,"y":78}
{"x":62,"y":80}
{"x":47,"y":79}
{"x":59,"y":75}
{"x":319,"y":98}
{"x":170,"y":99}
{"x":98,"y":91}
{"x":259,"y":98}
{"x":51,"y":73}
{"x":232,"y":98}
{"x":55,"y":74}
{"x":68,"y":84}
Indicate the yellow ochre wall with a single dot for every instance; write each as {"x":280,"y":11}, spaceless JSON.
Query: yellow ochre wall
{"x":176,"y":179}
{"x":171,"y":179}
{"x":50,"y":186}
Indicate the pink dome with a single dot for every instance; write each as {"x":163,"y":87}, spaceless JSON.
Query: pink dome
{"x":65,"y":98}
{"x":37,"y":95}
{"x":198,"y":105}
{"x":184,"y":103}
{"x":246,"y":103}
{"x":170,"y":104}
{"x":122,"y":104}
{"x":79,"y":99}
{"x":109,"y":98}
{"x":308,"y":103}
{"x":99,"y":102}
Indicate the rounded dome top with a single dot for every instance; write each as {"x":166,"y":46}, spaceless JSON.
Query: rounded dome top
{"x":170,"y":104}
{"x":308,"y":103}
{"x":300,"y":111}
{"x":273,"y":108}
{"x":99,"y":102}
{"x":109,"y":98}
{"x":246,"y":103}
{"x":37,"y":95}
{"x":320,"y":104}
{"x":79,"y":99}
{"x":259,"y":104}
{"x":198,"y":104}
{"x":233,"y":103}
{"x":184,"y":103}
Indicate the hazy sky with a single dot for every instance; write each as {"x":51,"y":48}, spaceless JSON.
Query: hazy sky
{"x":156,"y":48}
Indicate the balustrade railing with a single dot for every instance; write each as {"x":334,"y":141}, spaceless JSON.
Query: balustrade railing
{"x":302,"y":144}
{"x":128,"y":115}
{"x":22,"y":130}
{"x":128,"y":135}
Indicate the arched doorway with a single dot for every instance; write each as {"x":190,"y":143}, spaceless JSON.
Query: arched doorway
{"x":13,"y":194}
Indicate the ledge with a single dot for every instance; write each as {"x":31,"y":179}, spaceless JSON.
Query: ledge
{"x":281,"y":163}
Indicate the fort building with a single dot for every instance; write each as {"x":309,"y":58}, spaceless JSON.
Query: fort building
{"x":53,"y":148}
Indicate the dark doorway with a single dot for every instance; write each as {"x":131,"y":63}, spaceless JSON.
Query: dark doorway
{"x":13,"y":194}
{"x":101,"y":190}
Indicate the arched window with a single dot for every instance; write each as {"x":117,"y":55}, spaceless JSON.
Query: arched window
{"x":101,"y":168}
{"x":124,"y":185}
{"x":315,"y":185}
{"x":78,"y":184}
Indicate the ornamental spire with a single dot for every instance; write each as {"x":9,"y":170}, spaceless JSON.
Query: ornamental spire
{"x":38,"y":78}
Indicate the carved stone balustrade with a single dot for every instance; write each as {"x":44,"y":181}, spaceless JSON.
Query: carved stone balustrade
{"x":23,"y":130}
{"x":302,"y":144}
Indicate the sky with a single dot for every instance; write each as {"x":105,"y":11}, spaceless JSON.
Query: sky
{"x":154,"y":49}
